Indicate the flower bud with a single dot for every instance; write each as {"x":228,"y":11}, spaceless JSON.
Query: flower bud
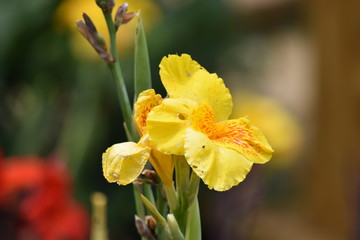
{"x":143,"y":228}
{"x":150,"y":222}
{"x":151,"y":174}
{"x":106,"y":5}
{"x":88,"y":30}
{"x":122,"y":16}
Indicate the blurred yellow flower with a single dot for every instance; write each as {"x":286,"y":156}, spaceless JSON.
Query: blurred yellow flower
{"x":70,"y":11}
{"x":280,"y":127}
{"x":193,"y":122}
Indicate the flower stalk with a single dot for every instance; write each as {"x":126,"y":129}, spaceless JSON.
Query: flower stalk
{"x":119,"y":80}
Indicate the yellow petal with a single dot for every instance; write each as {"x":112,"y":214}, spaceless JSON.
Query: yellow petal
{"x":162,"y":163}
{"x":240,"y":135}
{"x":185,"y":78}
{"x":166,"y":125}
{"x":145,"y":102}
{"x":123,"y":162}
{"x":220,"y":168}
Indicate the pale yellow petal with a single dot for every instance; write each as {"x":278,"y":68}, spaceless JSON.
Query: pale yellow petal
{"x":220,"y":168}
{"x":123,"y":162}
{"x":166,"y":125}
{"x":185,"y":78}
{"x":145,"y":102}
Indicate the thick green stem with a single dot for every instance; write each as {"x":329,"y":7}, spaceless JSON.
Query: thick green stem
{"x":119,"y":81}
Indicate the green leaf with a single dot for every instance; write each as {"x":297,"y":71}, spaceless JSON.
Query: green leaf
{"x":162,"y":223}
{"x":142,"y":72}
{"x":139,"y":207}
{"x":174,"y":227}
{"x":148,"y":193}
{"x":193,"y":224}
{"x":154,"y":212}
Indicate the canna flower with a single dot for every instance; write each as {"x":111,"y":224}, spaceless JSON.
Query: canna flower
{"x":123,"y":162}
{"x":193,"y":121}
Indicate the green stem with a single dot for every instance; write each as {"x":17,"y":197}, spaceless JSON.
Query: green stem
{"x":138,"y":202}
{"x":171,"y":197}
{"x":182,"y":172}
{"x":148,"y":193}
{"x":119,"y":81}
{"x":161,"y":202}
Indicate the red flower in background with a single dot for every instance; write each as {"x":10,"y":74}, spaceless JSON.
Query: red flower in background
{"x":36,"y":201}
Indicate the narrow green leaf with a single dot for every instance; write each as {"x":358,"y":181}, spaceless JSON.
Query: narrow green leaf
{"x":142,"y":72}
{"x":139,"y":207}
{"x":148,"y":193}
{"x":193,"y":225}
{"x":194,"y":188}
{"x":161,"y":201}
{"x":162,"y":223}
{"x":174,"y":227}
{"x":154,"y":212}
{"x":172,"y":197}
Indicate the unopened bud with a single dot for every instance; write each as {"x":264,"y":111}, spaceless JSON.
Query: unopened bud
{"x":89,"y":23}
{"x":122,"y":16}
{"x":88,"y":30}
{"x":151,"y":174}
{"x":143,"y":229}
{"x":128,"y":17}
{"x":150,"y":222}
{"x":142,"y":181}
{"x":106,"y":5}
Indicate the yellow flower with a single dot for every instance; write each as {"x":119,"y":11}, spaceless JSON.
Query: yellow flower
{"x":193,"y":122}
{"x":123,"y":162}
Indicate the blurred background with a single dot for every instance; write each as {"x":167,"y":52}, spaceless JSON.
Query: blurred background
{"x":293,"y":67}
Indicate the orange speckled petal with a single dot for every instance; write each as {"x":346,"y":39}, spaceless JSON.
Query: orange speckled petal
{"x":185,"y":78}
{"x":240,"y":135}
{"x":145,"y":102}
{"x":220,"y":168}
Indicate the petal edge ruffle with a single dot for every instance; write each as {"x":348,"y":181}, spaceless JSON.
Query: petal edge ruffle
{"x":220,"y":168}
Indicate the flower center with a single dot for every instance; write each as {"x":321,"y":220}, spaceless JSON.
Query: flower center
{"x":226,"y":132}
